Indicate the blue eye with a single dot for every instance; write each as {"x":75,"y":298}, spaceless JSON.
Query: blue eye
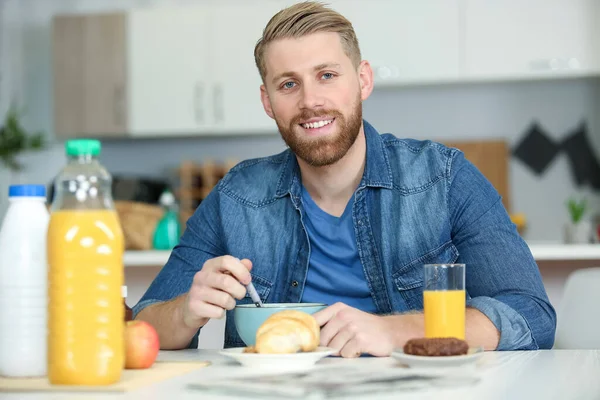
{"x":327,"y":75}
{"x":288,"y":85}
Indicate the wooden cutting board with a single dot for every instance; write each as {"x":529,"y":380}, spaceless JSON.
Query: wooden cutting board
{"x":492,"y":158}
{"x":130,"y":379}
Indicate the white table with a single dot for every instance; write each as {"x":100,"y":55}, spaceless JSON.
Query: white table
{"x":545,"y":374}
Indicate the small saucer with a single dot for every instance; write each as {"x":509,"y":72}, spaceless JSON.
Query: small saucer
{"x":278,"y":362}
{"x":474,"y":354}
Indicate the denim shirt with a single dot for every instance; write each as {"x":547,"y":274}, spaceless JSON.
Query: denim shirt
{"x":418,"y":202}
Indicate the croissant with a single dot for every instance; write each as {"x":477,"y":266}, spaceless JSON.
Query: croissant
{"x":288,"y":331}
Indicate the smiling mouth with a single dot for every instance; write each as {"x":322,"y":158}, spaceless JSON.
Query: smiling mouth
{"x":317,"y":124}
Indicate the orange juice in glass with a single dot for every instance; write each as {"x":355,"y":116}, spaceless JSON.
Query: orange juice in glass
{"x":444,"y":300}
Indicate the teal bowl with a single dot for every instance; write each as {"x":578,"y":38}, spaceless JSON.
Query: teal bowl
{"x":248,"y":318}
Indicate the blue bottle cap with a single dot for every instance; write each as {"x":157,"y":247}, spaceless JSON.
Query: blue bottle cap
{"x":27,"y":191}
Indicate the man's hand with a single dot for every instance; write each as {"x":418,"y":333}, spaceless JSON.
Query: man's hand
{"x":215,"y":288}
{"x":353,"y":332}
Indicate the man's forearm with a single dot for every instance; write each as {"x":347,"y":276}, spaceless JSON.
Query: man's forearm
{"x":167,"y":319}
{"x":480,"y":331}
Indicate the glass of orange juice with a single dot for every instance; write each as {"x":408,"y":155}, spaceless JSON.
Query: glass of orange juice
{"x":444,"y":300}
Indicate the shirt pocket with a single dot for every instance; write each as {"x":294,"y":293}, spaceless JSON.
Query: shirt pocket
{"x":263,"y":288}
{"x":409,"y":279}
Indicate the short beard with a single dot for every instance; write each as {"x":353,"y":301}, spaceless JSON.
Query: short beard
{"x":323,"y":151}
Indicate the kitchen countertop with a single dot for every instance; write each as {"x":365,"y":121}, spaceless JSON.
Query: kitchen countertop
{"x":542,"y":251}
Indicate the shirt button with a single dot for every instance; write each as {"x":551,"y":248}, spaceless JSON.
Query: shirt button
{"x":294,"y":283}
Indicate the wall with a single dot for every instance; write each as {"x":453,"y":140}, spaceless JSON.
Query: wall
{"x":499,"y":110}
{"x":491,"y":110}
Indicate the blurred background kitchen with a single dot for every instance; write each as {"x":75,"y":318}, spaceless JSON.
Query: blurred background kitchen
{"x":171,"y":90}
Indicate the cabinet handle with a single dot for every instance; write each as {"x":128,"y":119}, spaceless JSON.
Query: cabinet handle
{"x":198,"y":101}
{"x":119,"y":105}
{"x":218,"y":103}
{"x":555,"y":64}
{"x":385,"y":72}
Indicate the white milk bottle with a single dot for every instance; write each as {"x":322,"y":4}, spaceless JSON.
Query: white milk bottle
{"x":23,"y":283}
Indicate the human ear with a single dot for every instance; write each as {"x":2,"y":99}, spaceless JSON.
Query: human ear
{"x":365,"y":77}
{"x":266,"y":101}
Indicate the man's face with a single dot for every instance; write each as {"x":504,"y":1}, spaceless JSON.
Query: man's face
{"x":315,"y":95}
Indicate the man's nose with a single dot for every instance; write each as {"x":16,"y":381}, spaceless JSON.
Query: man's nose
{"x":311,"y":97}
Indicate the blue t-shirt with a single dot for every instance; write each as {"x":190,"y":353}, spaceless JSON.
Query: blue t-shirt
{"x":335,"y":272}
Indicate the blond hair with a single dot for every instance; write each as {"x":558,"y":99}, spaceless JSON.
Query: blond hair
{"x":304,"y":19}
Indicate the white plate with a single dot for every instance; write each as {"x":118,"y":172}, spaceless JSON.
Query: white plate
{"x":413,"y":361}
{"x":278,"y":362}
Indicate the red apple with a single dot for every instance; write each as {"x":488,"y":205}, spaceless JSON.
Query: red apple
{"x":141,"y":345}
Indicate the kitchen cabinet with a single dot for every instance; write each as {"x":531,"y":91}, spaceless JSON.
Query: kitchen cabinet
{"x":160,"y":71}
{"x":169,"y":72}
{"x":89,"y":68}
{"x":235,"y":77}
{"x":189,"y":70}
{"x":529,"y":39}
{"x":407,"y":41}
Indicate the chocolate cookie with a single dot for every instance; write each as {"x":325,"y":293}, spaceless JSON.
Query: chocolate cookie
{"x":436,"y":347}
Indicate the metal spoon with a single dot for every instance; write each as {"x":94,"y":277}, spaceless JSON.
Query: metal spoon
{"x":254,"y":295}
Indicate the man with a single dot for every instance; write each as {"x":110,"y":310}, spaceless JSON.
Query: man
{"x":345,"y":216}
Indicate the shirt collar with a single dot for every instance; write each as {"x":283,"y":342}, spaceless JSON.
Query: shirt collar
{"x":378,"y":172}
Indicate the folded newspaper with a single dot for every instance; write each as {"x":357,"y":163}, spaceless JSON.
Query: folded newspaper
{"x":336,"y":382}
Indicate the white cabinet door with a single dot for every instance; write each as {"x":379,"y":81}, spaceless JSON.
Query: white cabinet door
{"x":169,"y":72}
{"x":406,"y":41}
{"x":235,"y":87}
{"x":524,"y":39}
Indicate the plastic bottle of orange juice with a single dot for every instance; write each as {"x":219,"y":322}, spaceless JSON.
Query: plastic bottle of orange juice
{"x":85,"y":273}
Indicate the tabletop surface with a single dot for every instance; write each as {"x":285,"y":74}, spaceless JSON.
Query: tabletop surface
{"x":544,"y":374}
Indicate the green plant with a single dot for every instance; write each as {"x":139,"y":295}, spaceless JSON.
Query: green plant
{"x":14,"y":139}
{"x":576,"y":209}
